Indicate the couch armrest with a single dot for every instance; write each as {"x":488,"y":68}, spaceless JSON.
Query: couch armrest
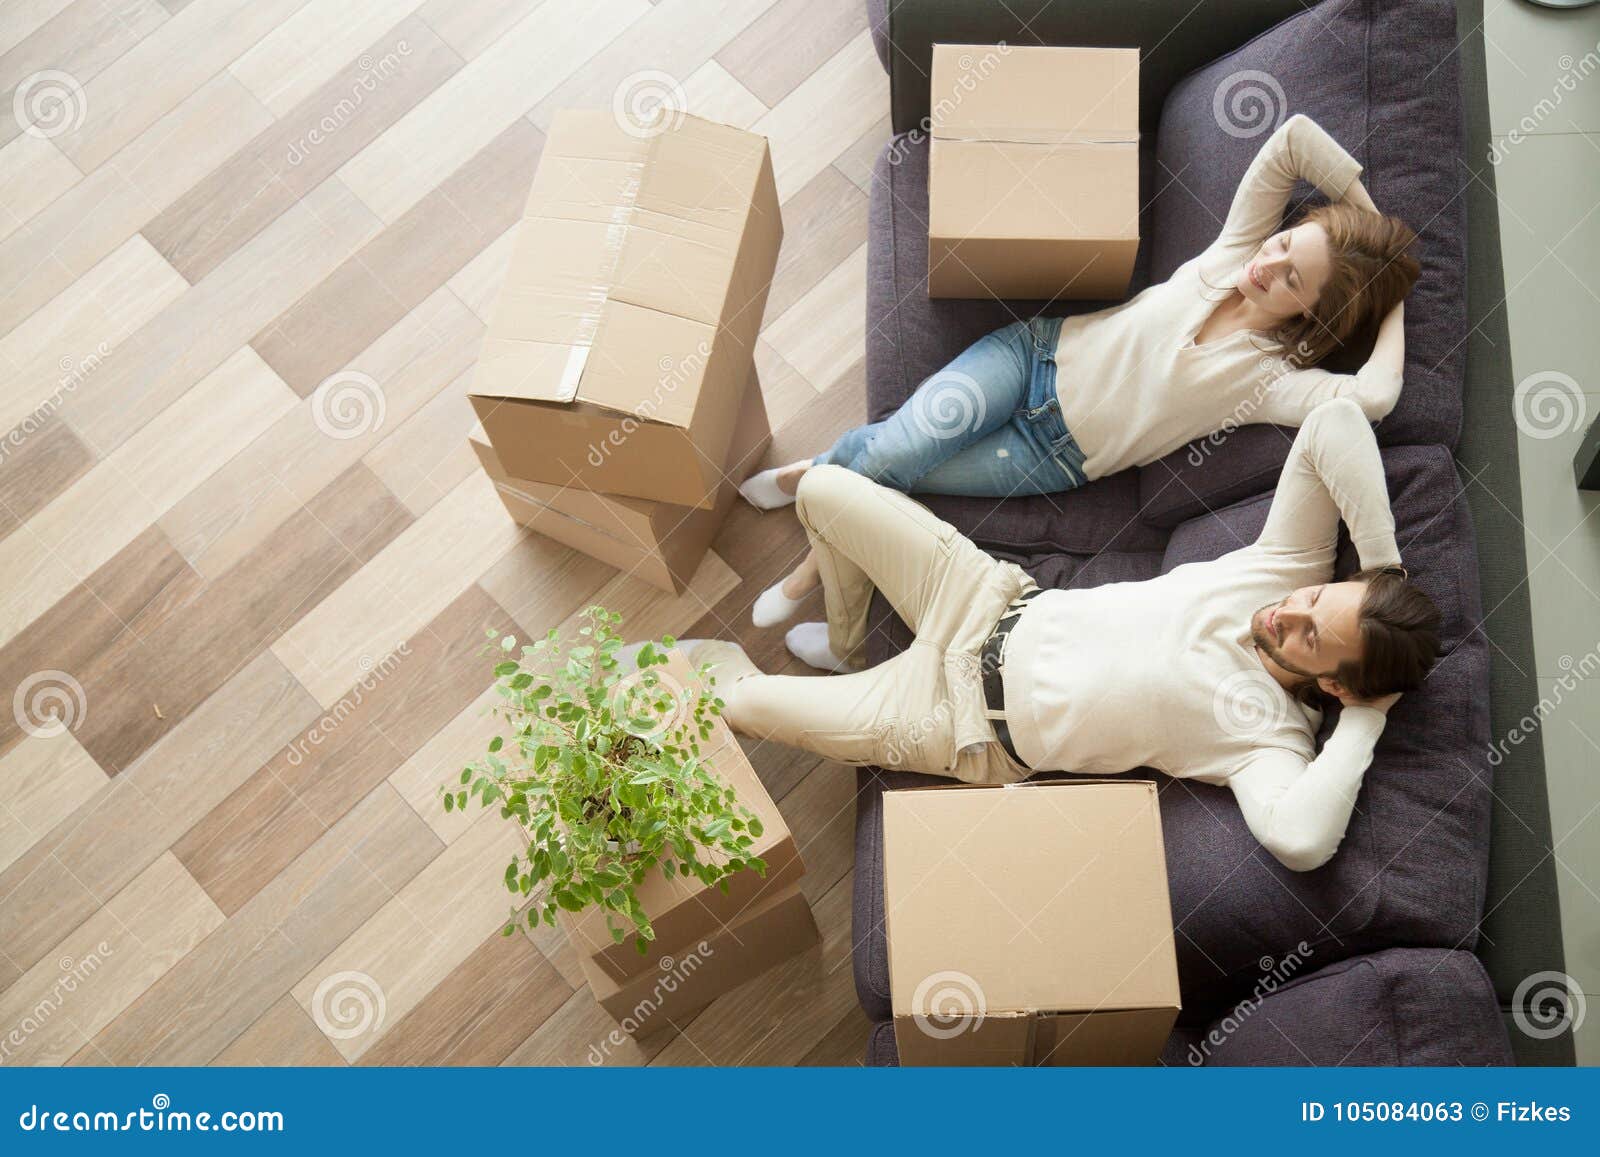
{"x":1175,"y":37}
{"x":1400,"y":1006}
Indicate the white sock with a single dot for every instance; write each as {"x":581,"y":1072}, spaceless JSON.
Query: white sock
{"x":808,"y":642}
{"x":728,"y":660}
{"x":773,"y":606}
{"x":761,"y":490}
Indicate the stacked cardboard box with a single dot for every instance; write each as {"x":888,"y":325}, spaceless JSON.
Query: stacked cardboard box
{"x":619,"y":360}
{"x":1029,"y":924}
{"x":1033,"y":171}
{"x":707,"y":941}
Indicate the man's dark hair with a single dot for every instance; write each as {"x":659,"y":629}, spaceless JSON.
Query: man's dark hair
{"x":1399,"y":627}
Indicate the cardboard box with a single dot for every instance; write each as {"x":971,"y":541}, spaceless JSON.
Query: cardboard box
{"x":1033,"y":177}
{"x":683,"y":983}
{"x":655,"y":541}
{"x":682,"y":910}
{"x":1028,"y":924}
{"x":623,"y":338}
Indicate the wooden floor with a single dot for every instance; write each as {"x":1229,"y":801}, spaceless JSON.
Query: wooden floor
{"x":264,"y":628}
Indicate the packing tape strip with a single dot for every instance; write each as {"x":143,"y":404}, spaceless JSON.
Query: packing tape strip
{"x":1001,"y":135}
{"x":587,"y":326}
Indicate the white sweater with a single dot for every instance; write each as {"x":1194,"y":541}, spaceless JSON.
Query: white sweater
{"x":1163,"y":673}
{"x":1132,"y":382}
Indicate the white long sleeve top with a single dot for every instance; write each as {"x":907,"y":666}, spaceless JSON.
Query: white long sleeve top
{"x":1164,"y":673}
{"x":1132,"y":382}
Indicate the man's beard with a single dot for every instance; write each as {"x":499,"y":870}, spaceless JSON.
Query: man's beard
{"x":1264,"y":641}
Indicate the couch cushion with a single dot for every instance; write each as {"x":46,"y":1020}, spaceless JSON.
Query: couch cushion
{"x":1412,"y":866}
{"x":1382,"y":79}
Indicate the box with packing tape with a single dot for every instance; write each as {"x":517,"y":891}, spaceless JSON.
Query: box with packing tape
{"x":622,"y":343}
{"x":759,"y":920}
{"x":1033,"y":171}
{"x":657,"y":542}
{"x":1028,"y":924}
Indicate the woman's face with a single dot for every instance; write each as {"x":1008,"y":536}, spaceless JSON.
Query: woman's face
{"x":1286,"y":275}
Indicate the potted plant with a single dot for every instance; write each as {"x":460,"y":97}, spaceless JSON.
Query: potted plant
{"x":602,"y":771}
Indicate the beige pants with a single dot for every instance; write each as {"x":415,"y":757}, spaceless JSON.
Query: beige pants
{"x":923,"y":710}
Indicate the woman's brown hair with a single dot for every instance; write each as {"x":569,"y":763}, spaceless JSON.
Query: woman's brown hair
{"x":1371,"y":268}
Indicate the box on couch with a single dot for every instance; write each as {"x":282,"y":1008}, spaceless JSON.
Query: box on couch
{"x":1028,"y":924}
{"x":1033,"y":182}
{"x":658,"y":542}
{"x":623,"y":338}
{"x":682,"y":910}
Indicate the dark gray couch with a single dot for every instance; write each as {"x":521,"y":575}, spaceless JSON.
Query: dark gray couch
{"x":1442,"y":897}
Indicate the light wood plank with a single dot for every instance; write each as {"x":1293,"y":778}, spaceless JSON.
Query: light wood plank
{"x":319,"y":438}
{"x":471,"y":28}
{"x":25,"y":17}
{"x":582,"y":1034}
{"x":478,"y":283}
{"x":283,"y":1037}
{"x":482,"y":1010}
{"x":405,"y":263}
{"x":790,"y":42}
{"x":858,"y":160}
{"x":92,"y":855}
{"x":76,"y":230}
{"x":54,"y":352}
{"x":43,"y":780}
{"x":845,"y":1045}
{"x":838,"y":102}
{"x":212,"y":320}
{"x":418,"y":938}
{"x":482,"y":100}
{"x":428,"y":455}
{"x":823,"y":226}
{"x":292,"y":61}
{"x":104,"y":964}
{"x":304,"y":789}
{"x":222,"y":988}
{"x":824,"y":333}
{"x":396,"y":594}
{"x":81,"y":41}
{"x":669,"y":40}
{"x":163,"y":69}
{"x":199,"y":230}
{"x":784,"y":391}
{"x":711,"y":91}
{"x":148,"y":680}
{"x":32,"y":174}
{"x":105,"y":509}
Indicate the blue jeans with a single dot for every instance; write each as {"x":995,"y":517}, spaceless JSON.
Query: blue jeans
{"x":988,"y":425}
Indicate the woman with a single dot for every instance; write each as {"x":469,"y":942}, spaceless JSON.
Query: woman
{"x":1233,"y":337}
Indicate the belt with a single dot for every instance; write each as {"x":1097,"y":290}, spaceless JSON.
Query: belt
{"x":992,"y":660}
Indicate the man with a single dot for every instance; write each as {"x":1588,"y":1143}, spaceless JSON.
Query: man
{"x":1209,"y":672}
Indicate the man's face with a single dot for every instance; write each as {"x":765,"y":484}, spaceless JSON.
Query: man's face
{"x":1312,"y":631}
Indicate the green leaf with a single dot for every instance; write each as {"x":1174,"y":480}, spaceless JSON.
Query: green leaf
{"x":509,"y":667}
{"x":495,"y":744}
